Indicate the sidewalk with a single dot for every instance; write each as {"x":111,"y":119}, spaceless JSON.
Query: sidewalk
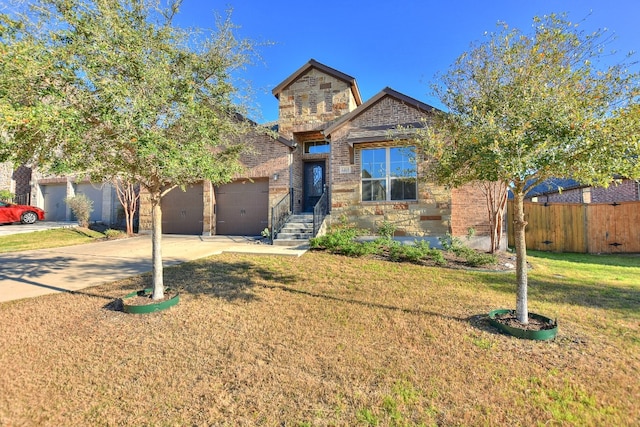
{"x":33,"y":273}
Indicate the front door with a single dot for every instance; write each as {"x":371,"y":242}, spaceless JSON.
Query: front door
{"x":314,"y":181}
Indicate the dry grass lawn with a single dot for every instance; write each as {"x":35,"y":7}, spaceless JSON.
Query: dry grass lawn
{"x":326,"y":340}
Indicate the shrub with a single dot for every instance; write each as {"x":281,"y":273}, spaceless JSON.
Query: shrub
{"x":6,"y":196}
{"x":358,"y":249}
{"x":420,"y":250}
{"x":471,"y":256}
{"x":335,"y":239}
{"x":450,"y":243}
{"x":386,"y":230}
{"x":113,"y":234}
{"x":81,"y":206}
{"x":478,"y":259}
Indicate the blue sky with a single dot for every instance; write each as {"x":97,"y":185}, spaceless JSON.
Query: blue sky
{"x":401,"y":44}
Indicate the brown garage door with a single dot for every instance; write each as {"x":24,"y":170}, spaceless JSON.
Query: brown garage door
{"x":182,"y":211}
{"x":242,"y":207}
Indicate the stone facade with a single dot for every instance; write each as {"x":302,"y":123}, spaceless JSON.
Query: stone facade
{"x":309,"y":99}
{"x":323,"y":121}
{"x":373,"y":127}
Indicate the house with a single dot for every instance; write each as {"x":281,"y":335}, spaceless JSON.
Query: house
{"x":30,"y":187}
{"x":571,"y":191}
{"x":330,"y":144}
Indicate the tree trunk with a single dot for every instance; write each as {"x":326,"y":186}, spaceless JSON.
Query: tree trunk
{"x":496,"y":199}
{"x":156,"y":239}
{"x":519,"y":224}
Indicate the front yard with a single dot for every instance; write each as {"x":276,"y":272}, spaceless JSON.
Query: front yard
{"x":329,"y":340}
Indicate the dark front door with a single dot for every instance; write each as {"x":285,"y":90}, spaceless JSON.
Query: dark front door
{"x":314,"y":181}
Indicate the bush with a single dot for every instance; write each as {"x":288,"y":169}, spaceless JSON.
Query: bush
{"x":420,"y":250}
{"x":358,"y":249}
{"x":114,"y":234}
{"x":6,"y":196}
{"x":341,"y":241}
{"x":386,"y":230}
{"x":81,"y":206}
{"x":335,"y":239}
{"x":471,"y":256}
{"x":478,"y":259}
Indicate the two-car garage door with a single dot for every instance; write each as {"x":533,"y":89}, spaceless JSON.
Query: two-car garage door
{"x":242,"y":207}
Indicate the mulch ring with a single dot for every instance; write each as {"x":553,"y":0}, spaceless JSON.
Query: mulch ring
{"x":535,"y":323}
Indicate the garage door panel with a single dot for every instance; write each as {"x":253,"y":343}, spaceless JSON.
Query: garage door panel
{"x":242,"y":207}
{"x":95,"y":195}
{"x":54,"y":206}
{"x":182,"y":211}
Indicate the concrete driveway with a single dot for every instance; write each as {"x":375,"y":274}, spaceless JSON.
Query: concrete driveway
{"x":33,"y":273}
{"x":17,"y":228}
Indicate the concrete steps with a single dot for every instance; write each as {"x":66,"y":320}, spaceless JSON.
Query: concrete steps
{"x":296,"y":231}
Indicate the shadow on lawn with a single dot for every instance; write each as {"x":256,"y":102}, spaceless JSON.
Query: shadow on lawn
{"x":229,"y":281}
{"x":234,"y":281}
{"x":561,"y":292}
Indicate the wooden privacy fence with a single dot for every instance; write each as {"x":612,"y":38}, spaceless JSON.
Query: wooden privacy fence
{"x":585,"y":228}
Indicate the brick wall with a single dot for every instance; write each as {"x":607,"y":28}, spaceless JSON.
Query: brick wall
{"x":469,"y":211}
{"x":624,"y":191}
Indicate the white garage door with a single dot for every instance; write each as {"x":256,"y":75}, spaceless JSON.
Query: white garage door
{"x":54,"y":206}
{"x":94,"y":193}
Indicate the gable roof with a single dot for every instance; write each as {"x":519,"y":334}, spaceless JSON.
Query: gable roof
{"x":387,"y":91}
{"x":325,"y":69}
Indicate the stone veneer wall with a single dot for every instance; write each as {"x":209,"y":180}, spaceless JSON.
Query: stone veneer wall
{"x":429,"y":215}
{"x":315,"y":98}
{"x":307,"y":105}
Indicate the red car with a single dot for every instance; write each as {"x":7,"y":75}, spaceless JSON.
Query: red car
{"x":25,"y":214}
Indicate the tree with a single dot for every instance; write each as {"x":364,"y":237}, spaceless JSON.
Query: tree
{"x":129,"y":197}
{"x":123,"y":93}
{"x":527,"y":107}
{"x":495,"y":196}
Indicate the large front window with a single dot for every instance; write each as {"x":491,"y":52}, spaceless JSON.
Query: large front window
{"x":389,"y":174}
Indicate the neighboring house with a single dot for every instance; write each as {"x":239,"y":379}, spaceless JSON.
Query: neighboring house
{"x":570,"y":191}
{"x":330,"y":140}
{"x":48,"y":192}
{"x":17,"y":181}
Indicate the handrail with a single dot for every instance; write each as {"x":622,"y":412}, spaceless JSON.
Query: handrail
{"x":320,"y":210}
{"x":280,"y":212}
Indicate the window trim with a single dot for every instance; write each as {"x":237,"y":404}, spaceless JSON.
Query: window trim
{"x":319,"y":143}
{"x":388,"y":178}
